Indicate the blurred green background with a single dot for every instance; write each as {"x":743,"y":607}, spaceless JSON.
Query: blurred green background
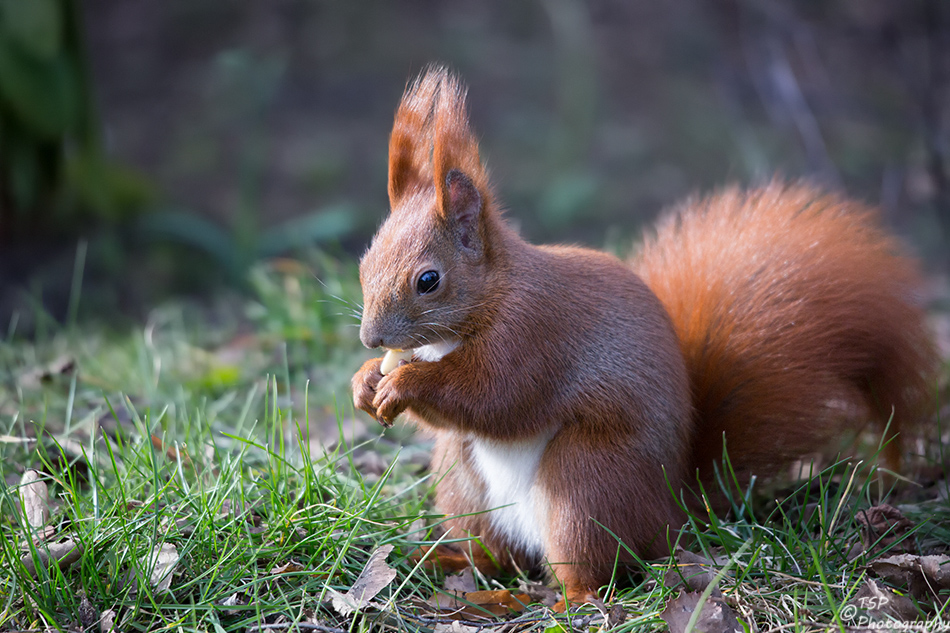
{"x":164,"y":148}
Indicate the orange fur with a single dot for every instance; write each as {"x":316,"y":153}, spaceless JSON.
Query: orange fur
{"x":796,"y":314}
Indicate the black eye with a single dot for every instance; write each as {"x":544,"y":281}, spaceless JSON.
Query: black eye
{"x":428,"y":281}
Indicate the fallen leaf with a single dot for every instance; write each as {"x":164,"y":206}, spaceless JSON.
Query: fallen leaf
{"x":38,"y":536}
{"x":416,"y":527}
{"x":462,"y":582}
{"x":480,"y":603}
{"x":234,"y":600}
{"x":162,"y":562}
{"x":616,"y":616}
{"x":884,"y":527}
{"x":693,"y":571}
{"x":88,"y":615}
{"x":924,"y":576}
{"x":376,"y":576}
{"x":370,"y":464}
{"x":288,"y":567}
{"x":881,"y":603}
{"x":937,"y":570}
{"x":539,"y":593}
{"x":715,"y":615}
{"x":34,"y":499}
{"x":33,"y":378}
{"x":172,"y":451}
{"x":64,"y":553}
{"x":107,"y":621}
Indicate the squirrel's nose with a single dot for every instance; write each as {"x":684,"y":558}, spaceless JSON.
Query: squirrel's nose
{"x":369,"y":338}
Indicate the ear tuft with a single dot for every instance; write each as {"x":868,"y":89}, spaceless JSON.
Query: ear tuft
{"x":410,"y":144}
{"x":463,"y":207}
{"x":454,"y":144}
{"x":432,"y":145}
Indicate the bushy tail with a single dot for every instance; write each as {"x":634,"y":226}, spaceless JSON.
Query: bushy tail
{"x":798,"y":317}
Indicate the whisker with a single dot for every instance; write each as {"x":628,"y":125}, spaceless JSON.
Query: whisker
{"x":442,"y":310}
{"x":330,"y":294}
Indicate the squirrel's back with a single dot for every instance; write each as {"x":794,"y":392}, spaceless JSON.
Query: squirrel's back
{"x":796,"y":314}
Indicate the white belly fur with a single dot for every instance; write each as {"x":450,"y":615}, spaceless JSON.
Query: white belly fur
{"x":518,"y":507}
{"x":435,"y":351}
{"x":509,"y":470}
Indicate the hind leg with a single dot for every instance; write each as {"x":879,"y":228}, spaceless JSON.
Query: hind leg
{"x":606,"y":495}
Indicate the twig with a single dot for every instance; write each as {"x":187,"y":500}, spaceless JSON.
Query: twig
{"x":301,"y":626}
{"x":525,"y":619}
{"x":787,"y":86}
{"x":813,"y":583}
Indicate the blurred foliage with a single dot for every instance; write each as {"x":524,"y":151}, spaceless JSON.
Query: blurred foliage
{"x":245,"y":85}
{"x":311,"y":308}
{"x":234,"y":251}
{"x":54,"y":174}
{"x":263,"y":125}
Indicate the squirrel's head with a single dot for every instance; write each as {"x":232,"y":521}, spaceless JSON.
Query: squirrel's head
{"x":426,"y":272}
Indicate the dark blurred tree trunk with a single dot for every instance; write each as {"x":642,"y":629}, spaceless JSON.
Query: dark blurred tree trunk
{"x":935,"y":103}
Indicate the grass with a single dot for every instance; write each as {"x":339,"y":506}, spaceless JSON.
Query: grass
{"x":227,"y":433}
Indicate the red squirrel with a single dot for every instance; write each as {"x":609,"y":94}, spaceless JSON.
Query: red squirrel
{"x":568,"y":390}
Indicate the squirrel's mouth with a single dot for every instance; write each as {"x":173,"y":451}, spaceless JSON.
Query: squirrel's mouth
{"x":432,"y":352}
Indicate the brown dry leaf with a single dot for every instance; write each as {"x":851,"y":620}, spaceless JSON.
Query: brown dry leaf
{"x":884,"y":527}
{"x":494,"y":602}
{"x":417,"y":527}
{"x":162,"y":561}
{"x":462,"y":582}
{"x":172,"y":451}
{"x":881,"y":603}
{"x":693,"y":571}
{"x":924,"y":576}
{"x":376,"y":576}
{"x":33,"y":378}
{"x":937,"y":570}
{"x":65,"y":553}
{"x":539,"y":593}
{"x":288,"y":567}
{"x":370,"y":464}
{"x":38,"y":536}
{"x":107,"y":621}
{"x":88,"y":614}
{"x":616,"y":616}
{"x":715,"y":615}
{"x":34,"y":499}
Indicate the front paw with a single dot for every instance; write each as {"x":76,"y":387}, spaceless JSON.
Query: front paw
{"x":391,"y":396}
{"x":365,"y":382}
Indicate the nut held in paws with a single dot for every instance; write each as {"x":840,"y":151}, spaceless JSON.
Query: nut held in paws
{"x":392,"y":358}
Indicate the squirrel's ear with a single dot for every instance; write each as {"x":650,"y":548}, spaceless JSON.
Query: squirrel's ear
{"x":410,"y":144}
{"x":461,"y":182}
{"x":462,"y":206}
